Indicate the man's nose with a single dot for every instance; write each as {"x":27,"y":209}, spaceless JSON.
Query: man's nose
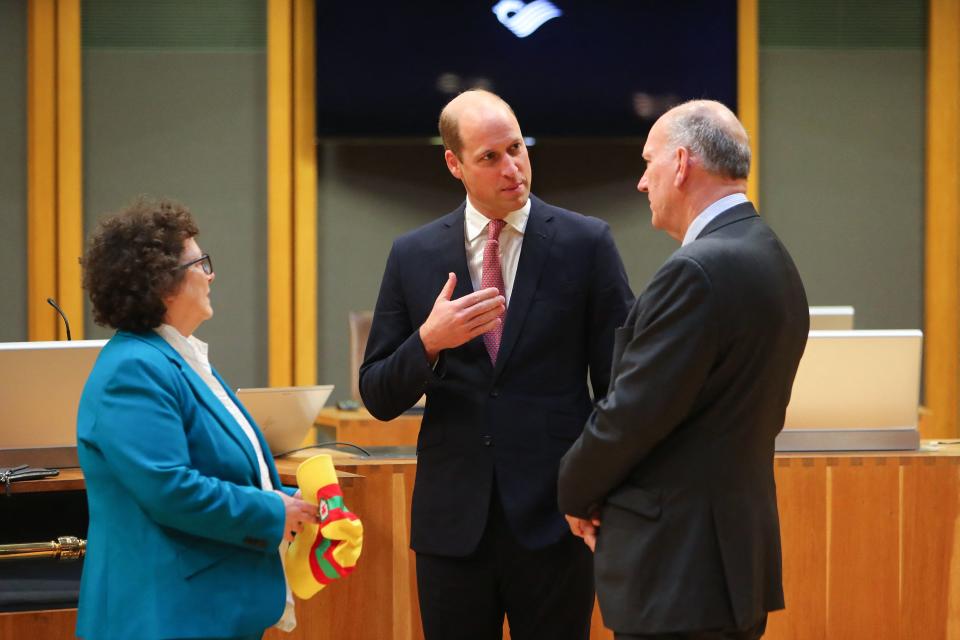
{"x":642,"y":185}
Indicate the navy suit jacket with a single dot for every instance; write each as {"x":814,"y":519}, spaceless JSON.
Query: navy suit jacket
{"x":679,"y":454}
{"x":182,"y":539}
{"x":508,"y":423}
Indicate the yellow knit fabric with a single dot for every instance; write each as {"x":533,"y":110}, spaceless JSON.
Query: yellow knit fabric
{"x":322,"y":553}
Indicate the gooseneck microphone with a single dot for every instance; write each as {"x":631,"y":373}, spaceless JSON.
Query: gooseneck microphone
{"x":53,"y":303}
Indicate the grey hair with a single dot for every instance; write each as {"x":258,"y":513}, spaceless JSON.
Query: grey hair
{"x":722,"y":147}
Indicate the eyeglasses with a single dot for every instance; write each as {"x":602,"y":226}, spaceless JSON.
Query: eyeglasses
{"x":204,"y":261}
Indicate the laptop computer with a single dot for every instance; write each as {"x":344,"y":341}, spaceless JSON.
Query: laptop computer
{"x":831,"y":318}
{"x":855,"y":390}
{"x":40,"y":387}
{"x":285,"y":414}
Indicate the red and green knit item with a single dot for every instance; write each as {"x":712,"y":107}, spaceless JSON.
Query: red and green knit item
{"x":323,"y":563}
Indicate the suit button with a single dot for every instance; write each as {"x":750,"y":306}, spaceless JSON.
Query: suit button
{"x":487,"y":441}
{"x":494,"y":393}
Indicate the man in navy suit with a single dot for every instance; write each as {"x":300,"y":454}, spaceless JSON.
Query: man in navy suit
{"x":672,"y":478}
{"x":497,"y":311}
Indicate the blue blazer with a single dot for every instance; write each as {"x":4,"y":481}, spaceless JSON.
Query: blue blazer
{"x":182,"y":539}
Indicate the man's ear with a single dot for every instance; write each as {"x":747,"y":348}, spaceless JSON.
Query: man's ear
{"x":453,"y":164}
{"x":682,"y":158}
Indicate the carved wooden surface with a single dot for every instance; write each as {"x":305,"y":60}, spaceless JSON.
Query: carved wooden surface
{"x":871,"y":550}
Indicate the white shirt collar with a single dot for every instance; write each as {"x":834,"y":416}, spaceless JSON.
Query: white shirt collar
{"x":190,"y":348}
{"x":475,"y":222}
{"x":707,"y":215}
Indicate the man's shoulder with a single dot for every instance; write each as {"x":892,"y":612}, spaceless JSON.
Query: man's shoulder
{"x":740,"y":248}
{"x":431,"y":230}
{"x":566,"y":216}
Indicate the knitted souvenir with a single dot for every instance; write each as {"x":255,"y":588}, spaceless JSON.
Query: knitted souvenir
{"x":322,"y":553}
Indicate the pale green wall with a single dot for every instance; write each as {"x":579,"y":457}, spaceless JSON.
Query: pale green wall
{"x":841,"y":159}
{"x":190,"y":126}
{"x":13,"y":170}
{"x":182,"y":114}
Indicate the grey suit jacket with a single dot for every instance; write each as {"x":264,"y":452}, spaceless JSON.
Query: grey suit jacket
{"x":679,"y":456}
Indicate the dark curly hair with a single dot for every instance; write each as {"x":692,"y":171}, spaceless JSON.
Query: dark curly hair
{"x":131,"y":263}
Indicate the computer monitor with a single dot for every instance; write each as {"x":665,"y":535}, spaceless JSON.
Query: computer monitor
{"x":285,"y":414}
{"x":40,"y":387}
{"x":831,"y":318}
{"x":855,"y":390}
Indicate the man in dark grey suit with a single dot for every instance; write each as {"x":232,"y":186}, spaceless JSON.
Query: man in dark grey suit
{"x":497,"y":311}
{"x":672,"y":478}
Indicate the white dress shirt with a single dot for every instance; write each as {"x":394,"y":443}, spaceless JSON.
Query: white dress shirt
{"x":511,"y":239}
{"x":707,"y":215}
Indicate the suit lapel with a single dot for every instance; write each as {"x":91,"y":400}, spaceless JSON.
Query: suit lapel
{"x":264,"y":447}
{"x":453,"y":257}
{"x":208,"y":399}
{"x":533,"y":255}
{"x":453,"y":252}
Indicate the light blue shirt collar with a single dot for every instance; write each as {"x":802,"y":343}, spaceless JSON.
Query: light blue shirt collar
{"x":707,"y":215}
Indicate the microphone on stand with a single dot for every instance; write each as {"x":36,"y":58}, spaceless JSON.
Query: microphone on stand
{"x":53,"y":303}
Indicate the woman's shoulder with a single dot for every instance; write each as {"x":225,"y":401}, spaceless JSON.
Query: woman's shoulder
{"x":130,"y":362}
{"x":145,"y":353}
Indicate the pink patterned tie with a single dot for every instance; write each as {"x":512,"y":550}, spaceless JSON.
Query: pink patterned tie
{"x":492,"y":276}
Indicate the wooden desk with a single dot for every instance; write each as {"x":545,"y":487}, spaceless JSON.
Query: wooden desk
{"x":361,"y":428}
{"x":871,"y":547}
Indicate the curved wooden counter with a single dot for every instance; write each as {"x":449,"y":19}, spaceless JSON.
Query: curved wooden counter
{"x":871,"y":550}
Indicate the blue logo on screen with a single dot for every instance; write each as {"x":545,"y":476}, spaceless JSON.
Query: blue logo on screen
{"x":523,"y":19}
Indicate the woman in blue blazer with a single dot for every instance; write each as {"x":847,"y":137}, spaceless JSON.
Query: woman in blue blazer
{"x":186,"y":507}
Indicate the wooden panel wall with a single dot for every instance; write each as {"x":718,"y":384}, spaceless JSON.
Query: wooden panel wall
{"x":871,"y":548}
{"x":54,"y":168}
{"x":871,"y":551}
{"x":291,"y":193}
{"x":942,"y":245}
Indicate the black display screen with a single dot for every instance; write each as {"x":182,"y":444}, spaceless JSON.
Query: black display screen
{"x":580,"y":69}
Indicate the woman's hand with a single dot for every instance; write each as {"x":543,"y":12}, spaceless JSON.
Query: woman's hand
{"x":297,"y":512}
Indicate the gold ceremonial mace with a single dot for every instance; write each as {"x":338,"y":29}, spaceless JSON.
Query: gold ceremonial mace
{"x":66,"y":548}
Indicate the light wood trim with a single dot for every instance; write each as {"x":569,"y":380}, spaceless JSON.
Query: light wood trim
{"x":403,"y":572}
{"x":279,"y":192}
{"x":942,"y":243}
{"x":41,"y":169}
{"x":49,"y":624}
{"x":748,"y":87}
{"x":304,"y":196}
{"x":69,"y":167}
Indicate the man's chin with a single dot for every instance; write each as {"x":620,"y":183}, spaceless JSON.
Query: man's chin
{"x":520,"y":197}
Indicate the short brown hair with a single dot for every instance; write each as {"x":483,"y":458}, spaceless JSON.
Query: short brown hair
{"x":450,"y":131}
{"x":131,"y":263}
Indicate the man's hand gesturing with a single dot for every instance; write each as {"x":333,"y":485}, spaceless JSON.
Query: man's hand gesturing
{"x":452,"y":323}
